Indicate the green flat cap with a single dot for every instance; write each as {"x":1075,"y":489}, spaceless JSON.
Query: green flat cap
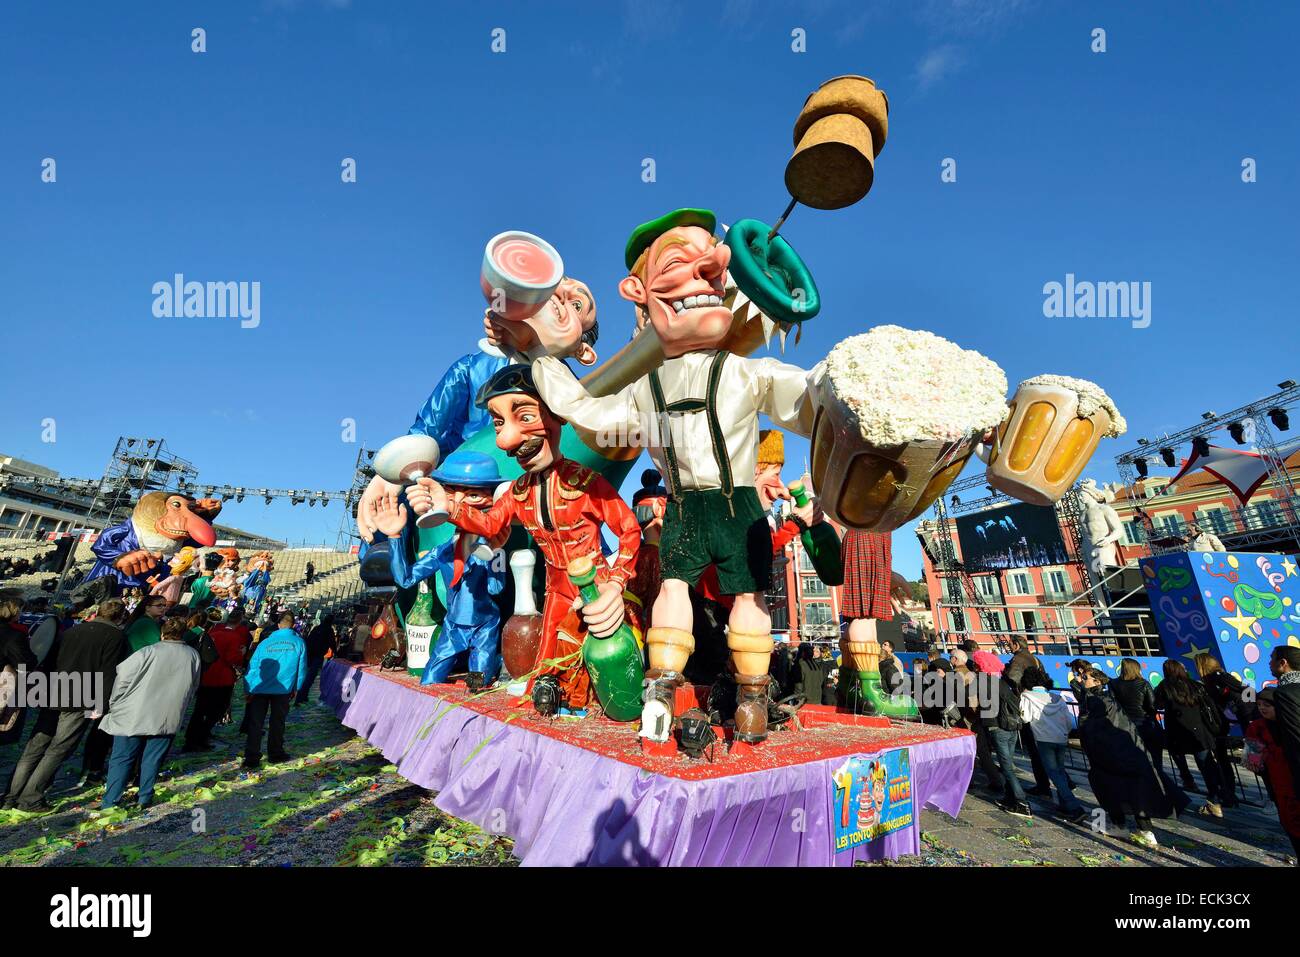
{"x":647,"y":233}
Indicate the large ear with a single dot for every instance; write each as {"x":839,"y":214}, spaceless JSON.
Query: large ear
{"x":586,"y":354}
{"x":633,"y":290}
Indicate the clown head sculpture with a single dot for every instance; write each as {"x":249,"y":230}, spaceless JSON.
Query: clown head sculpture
{"x":677,"y":274}
{"x":527,"y":430}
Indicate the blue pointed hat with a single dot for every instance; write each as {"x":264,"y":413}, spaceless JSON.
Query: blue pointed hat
{"x":464,"y":467}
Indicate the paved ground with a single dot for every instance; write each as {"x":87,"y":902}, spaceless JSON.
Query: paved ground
{"x":339,"y":802}
{"x":983,"y":835}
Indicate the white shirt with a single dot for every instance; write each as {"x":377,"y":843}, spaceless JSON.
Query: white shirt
{"x":746,"y":388}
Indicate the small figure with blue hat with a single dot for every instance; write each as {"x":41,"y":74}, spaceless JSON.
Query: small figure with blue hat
{"x":471,"y":568}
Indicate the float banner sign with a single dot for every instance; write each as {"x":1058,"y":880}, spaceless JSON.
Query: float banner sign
{"x":873,"y":797}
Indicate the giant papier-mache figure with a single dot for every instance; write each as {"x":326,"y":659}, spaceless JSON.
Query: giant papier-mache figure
{"x":702,"y":398}
{"x":161,"y":524}
{"x":471,"y":572}
{"x":563,"y":506}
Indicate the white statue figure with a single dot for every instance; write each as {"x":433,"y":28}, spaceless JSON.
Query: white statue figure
{"x":1101,"y":529}
{"x":1201,"y":540}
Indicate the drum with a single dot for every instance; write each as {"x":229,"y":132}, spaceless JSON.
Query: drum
{"x":1045,"y":441}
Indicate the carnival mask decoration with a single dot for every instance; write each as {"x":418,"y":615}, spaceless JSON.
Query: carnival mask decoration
{"x":677,"y":275}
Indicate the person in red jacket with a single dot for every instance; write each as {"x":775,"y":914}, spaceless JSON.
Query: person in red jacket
{"x":231,"y":639}
{"x":1264,"y":756}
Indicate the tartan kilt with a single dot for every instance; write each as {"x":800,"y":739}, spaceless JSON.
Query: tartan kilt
{"x":868,"y":560}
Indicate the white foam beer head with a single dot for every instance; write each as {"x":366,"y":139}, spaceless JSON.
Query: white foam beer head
{"x":406,"y":458}
{"x":519,"y":273}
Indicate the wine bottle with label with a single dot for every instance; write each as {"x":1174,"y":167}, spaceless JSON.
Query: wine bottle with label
{"x":820,"y":542}
{"x":614,"y":663}
{"x":420,"y":630}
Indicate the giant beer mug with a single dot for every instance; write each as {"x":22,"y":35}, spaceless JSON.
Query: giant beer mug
{"x":1050,"y":433}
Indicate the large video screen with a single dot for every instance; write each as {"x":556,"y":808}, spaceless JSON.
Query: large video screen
{"x":1015,"y":536}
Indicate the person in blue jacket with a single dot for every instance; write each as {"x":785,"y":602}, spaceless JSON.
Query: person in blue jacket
{"x":276,"y":671}
{"x":471,"y":569}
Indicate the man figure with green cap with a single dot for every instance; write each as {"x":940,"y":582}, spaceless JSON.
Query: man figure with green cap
{"x":698,"y":414}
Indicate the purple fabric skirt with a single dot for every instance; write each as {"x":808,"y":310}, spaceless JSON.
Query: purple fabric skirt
{"x":564,"y":805}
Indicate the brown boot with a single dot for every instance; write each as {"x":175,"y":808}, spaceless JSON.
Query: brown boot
{"x":751,"y":708}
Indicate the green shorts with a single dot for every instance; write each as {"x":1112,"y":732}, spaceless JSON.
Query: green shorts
{"x":700,"y":530}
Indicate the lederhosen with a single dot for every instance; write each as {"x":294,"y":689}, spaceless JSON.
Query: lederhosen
{"x":726,"y":526}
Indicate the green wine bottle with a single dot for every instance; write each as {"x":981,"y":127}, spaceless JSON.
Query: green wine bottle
{"x":614,"y":663}
{"x":420,"y":629}
{"x":821,"y":542}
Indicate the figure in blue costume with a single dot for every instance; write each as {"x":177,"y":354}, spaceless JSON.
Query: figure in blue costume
{"x":256,"y":581}
{"x":565,"y":326}
{"x":472,"y":570}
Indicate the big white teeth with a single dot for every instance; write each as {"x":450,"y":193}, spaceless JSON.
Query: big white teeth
{"x":695,"y":302}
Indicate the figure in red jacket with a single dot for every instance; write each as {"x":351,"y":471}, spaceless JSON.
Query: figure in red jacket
{"x":562,"y":505}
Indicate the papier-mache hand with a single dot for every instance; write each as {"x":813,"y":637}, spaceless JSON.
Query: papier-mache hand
{"x":425,"y":495}
{"x":604,"y":615}
{"x":517,"y":337}
{"x":386,"y":514}
{"x":377,"y":489}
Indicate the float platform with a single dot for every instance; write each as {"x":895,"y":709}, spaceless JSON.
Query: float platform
{"x":573,"y":791}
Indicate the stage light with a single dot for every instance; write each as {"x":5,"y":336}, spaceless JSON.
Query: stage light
{"x":955,"y":501}
{"x":1144,"y":442}
{"x":1288,"y":384}
{"x":1201,"y":445}
{"x":325,"y":500}
{"x":269,"y":500}
{"x":311,"y":503}
{"x":1141,"y":465}
{"x":1209,"y":416}
{"x":1167,"y":456}
{"x":130,"y":443}
{"x":296,"y":500}
{"x":1279,"y":418}
{"x":1238,"y":432}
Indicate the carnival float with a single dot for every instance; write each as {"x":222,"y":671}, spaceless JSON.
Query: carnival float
{"x":601,"y":718}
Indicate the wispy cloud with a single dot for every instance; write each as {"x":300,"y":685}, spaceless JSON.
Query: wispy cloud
{"x":970,"y":17}
{"x":645,"y":21}
{"x":938,"y":64}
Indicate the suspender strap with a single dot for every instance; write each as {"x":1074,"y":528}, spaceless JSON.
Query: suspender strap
{"x":715,"y":429}
{"x":661,"y":411}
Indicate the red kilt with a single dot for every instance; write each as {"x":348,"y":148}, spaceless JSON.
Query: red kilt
{"x":867,"y":566}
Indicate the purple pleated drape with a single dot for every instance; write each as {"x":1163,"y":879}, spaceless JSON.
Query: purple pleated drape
{"x":564,"y":805}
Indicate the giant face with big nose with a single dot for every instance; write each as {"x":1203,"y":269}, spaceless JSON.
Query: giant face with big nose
{"x":677,"y":284}
{"x":526,"y":430}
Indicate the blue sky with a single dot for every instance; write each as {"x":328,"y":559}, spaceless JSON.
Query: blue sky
{"x":1115,"y":166}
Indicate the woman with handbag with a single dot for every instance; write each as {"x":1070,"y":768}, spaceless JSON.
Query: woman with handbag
{"x":1192,"y":723}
